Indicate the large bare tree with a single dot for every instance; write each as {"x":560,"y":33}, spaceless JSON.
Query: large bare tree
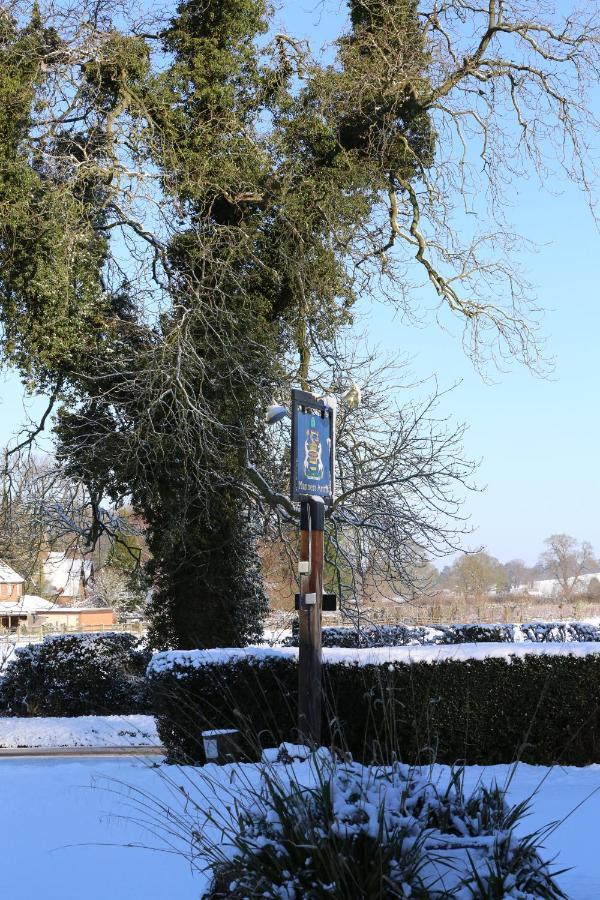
{"x":566,"y":559}
{"x":190,"y":210}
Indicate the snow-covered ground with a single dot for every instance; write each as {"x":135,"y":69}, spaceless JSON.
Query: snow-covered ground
{"x":64,"y":825}
{"x":80,"y":731}
{"x":570,"y":797}
{"x":62,"y":838}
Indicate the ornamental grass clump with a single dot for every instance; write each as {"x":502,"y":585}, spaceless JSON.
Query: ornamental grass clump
{"x":319,"y":826}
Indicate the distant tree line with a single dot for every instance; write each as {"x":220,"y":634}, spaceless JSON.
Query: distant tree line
{"x":564,"y":560}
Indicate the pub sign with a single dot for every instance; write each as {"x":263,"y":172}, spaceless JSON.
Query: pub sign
{"x":313,"y":440}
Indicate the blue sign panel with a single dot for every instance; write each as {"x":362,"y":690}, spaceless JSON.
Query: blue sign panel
{"x":312,"y":449}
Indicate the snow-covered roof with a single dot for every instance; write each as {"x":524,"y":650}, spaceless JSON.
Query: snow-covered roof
{"x":8,"y":575}
{"x":67,"y":610}
{"x":29,"y":603}
{"x":63,"y":573}
{"x":547,"y":587}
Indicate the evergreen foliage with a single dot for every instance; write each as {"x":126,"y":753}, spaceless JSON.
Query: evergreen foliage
{"x":208,"y":588}
{"x":267,"y":214}
{"x":542,"y":709}
{"x":51,"y":304}
{"x":76,"y":675}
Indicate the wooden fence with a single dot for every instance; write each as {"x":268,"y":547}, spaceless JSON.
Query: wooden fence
{"x":35,"y":633}
{"x":449,"y":611}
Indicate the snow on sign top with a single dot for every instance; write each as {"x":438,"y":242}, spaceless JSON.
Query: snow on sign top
{"x":8,"y":575}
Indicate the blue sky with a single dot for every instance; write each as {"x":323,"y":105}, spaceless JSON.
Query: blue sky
{"x":537,"y":439}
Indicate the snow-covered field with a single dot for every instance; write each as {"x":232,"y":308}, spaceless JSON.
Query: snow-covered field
{"x":62,"y":838}
{"x":64,"y":825}
{"x":80,"y":731}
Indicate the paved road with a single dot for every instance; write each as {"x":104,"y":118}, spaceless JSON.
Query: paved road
{"x":70,"y":752}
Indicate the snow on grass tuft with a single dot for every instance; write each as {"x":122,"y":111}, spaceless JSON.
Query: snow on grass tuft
{"x":72,"y":813}
{"x":317,"y":825}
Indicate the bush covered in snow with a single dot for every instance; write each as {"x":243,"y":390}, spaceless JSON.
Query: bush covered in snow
{"x":474,"y":633}
{"x":540,"y":707}
{"x":376,"y":833}
{"x":407,"y":635}
{"x":75,"y":675}
{"x":559,"y":632}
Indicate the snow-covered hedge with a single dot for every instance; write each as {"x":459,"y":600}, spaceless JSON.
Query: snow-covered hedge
{"x":478,"y":703}
{"x":336,"y":828}
{"x":75,"y":675}
{"x":411,"y":635}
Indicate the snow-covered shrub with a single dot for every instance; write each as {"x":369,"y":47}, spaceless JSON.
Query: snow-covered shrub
{"x":476,"y":633}
{"x":332,"y":828}
{"x":407,"y":635}
{"x":542,"y":708}
{"x":560,"y":632}
{"x":371,"y":636}
{"x":259,"y":699}
{"x":74,"y":675}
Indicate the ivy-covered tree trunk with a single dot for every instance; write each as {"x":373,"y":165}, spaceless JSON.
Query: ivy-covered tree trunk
{"x":266,"y":171}
{"x":209,"y":590}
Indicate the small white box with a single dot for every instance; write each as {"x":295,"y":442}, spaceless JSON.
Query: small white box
{"x":211,"y":748}
{"x":310,"y":599}
{"x":304,"y":567}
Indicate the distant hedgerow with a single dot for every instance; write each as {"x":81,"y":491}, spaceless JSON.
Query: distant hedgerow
{"x":476,"y":632}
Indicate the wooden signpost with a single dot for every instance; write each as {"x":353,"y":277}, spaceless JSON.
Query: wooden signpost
{"x":312,"y":483}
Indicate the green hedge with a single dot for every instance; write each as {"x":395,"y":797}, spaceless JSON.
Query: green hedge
{"x":542,"y":709}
